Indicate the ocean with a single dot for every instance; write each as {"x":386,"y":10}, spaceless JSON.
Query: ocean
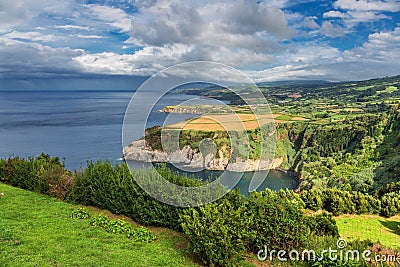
{"x":78,"y":126}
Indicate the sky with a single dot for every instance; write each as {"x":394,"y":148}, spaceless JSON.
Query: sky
{"x":268,"y":40}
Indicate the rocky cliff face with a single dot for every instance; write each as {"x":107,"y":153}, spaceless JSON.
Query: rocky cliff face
{"x":194,"y":159}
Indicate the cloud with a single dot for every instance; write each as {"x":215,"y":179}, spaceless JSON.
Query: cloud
{"x":32,"y":36}
{"x":231,"y":32}
{"x":267,"y":39}
{"x":30,"y":59}
{"x":250,"y":18}
{"x":309,"y":22}
{"x":89,"y":36}
{"x":15,"y":13}
{"x":145,"y":62}
{"x":377,"y":57}
{"x":115,"y":17}
{"x":329,"y":29}
{"x":353,"y":12}
{"x":335,"y":14}
{"x":380,"y":47}
{"x":72,"y":27}
{"x":368,"y":5}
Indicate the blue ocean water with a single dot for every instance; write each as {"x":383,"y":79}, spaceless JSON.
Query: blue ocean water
{"x":75,"y":125}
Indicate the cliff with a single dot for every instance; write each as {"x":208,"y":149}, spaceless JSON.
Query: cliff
{"x":194,"y":159}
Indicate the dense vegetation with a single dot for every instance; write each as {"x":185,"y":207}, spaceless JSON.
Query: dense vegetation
{"x":220,"y":233}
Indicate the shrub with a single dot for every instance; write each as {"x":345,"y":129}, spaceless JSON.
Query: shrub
{"x":42,"y":174}
{"x":312,"y":199}
{"x":390,"y":205}
{"x":218,"y":233}
{"x":114,"y":188}
{"x":277,"y":222}
{"x":323,"y":225}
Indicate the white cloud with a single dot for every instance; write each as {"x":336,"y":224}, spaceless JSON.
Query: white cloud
{"x":335,"y":14}
{"x":115,"y":17}
{"x":240,"y":33}
{"x":309,"y":22}
{"x":329,"y":29}
{"x":361,"y":16}
{"x":72,"y":27}
{"x":377,"y":57}
{"x":32,"y":36}
{"x":89,"y":36}
{"x":15,"y":13}
{"x":380,"y":47}
{"x":145,"y":62}
{"x":356,"y":11}
{"x":368,"y":5}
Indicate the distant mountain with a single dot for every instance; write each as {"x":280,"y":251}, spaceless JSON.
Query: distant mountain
{"x":295,"y":82}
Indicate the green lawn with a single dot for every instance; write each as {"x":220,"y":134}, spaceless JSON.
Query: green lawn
{"x":37,"y":230}
{"x":375,"y":228}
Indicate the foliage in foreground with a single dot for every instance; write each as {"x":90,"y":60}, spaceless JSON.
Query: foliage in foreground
{"x":220,"y":233}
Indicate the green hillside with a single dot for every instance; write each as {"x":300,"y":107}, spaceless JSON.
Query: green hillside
{"x":37,"y":230}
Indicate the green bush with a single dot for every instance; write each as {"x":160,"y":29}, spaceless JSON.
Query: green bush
{"x":341,"y":202}
{"x":390,"y":205}
{"x":114,"y":188}
{"x":42,"y":174}
{"x":323,"y":225}
{"x":312,"y":199}
{"x":218,"y":233}
{"x":277,"y":222}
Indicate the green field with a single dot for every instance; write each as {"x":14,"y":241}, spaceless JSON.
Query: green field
{"x":375,"y":228}
{"x":36,"y":230}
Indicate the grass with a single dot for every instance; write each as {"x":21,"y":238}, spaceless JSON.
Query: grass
{"x":36,"y":230}
{"x":375,"y":228}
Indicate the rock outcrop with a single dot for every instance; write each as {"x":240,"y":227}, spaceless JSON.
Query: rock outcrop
{"x":193,"y":159}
